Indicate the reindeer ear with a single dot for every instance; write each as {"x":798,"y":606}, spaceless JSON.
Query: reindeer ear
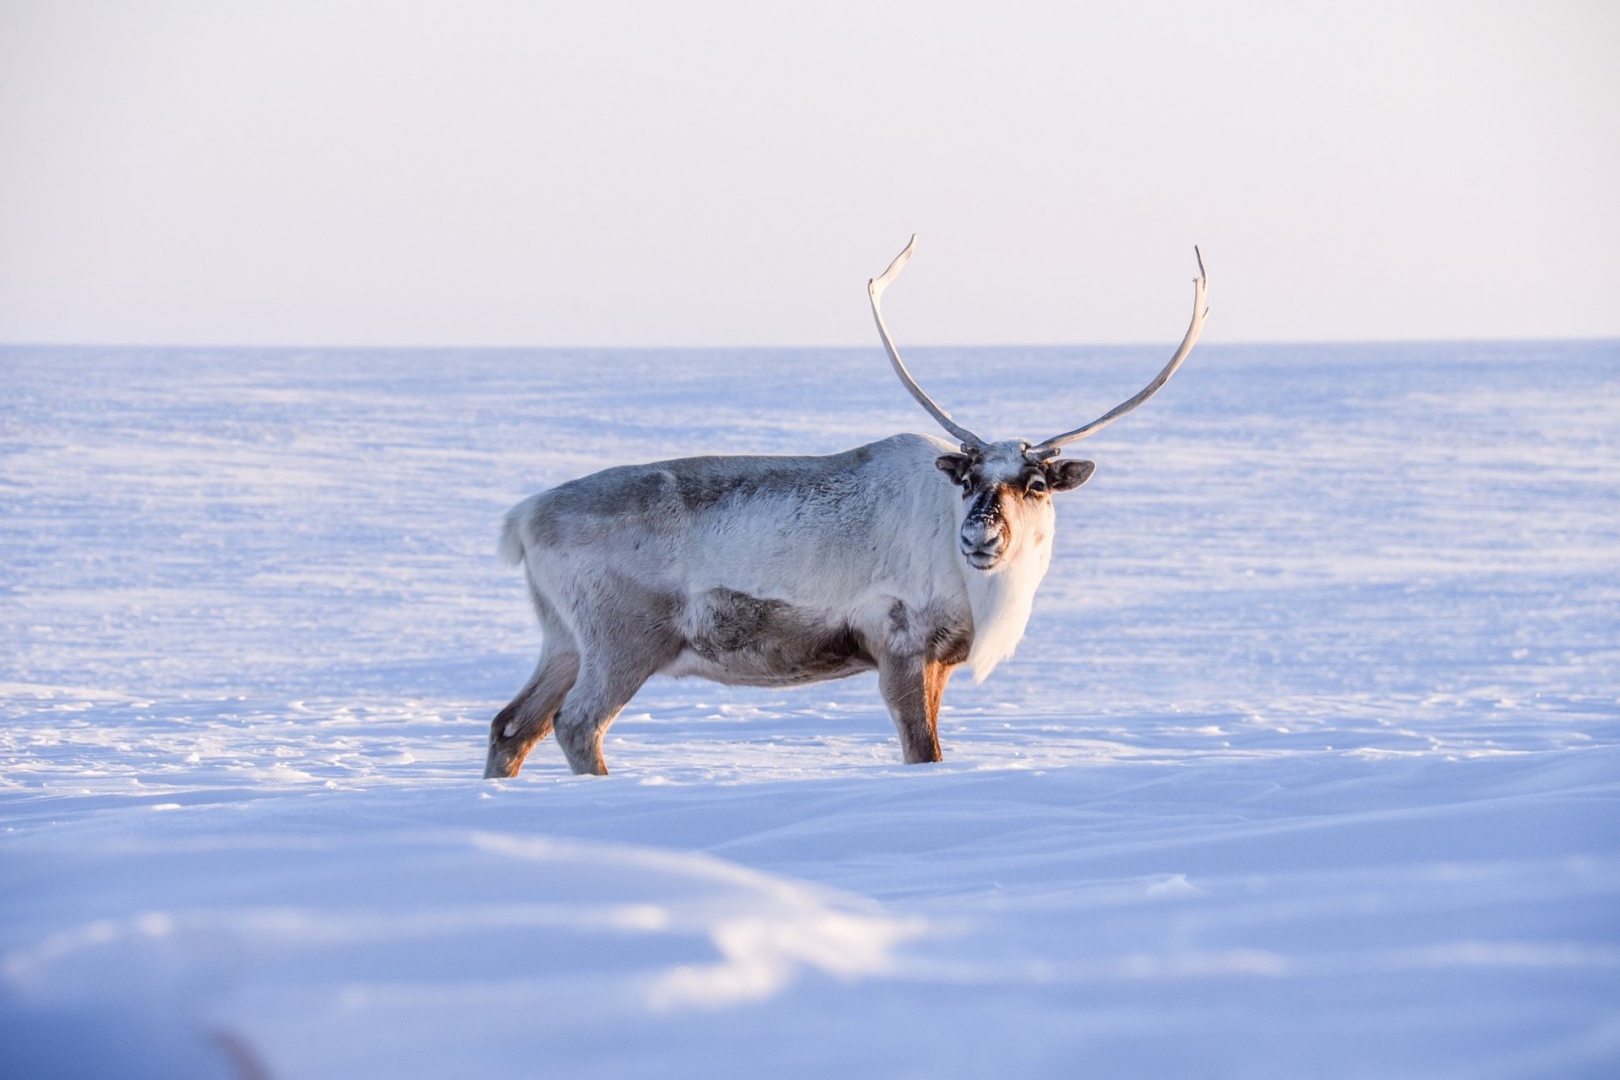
{"x":954,"y":465}
{"x":1066,"y":475}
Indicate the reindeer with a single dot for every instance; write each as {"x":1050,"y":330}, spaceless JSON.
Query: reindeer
{"x":910,"y":556}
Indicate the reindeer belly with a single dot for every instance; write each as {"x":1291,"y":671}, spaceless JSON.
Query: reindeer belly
{"x":742,"y":640}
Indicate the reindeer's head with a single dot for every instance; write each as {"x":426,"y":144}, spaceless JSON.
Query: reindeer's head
{"x":1007,"y":486}
{"x":1006,"y":497}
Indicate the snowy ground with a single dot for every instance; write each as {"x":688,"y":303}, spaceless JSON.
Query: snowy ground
{"x":1308,"y":766}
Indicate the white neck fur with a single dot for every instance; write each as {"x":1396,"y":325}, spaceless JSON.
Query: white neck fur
{"x":1001,"y":599}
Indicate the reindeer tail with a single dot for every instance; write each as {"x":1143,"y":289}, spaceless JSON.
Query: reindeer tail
{"x":510,"y":546}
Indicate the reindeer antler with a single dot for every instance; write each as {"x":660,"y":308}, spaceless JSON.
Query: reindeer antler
{"x":1054,"y":446}
{"x":874,"y":289}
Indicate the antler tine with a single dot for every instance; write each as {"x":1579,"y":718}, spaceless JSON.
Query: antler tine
{"x":874,"y":289}
{"x":1053,"y":446}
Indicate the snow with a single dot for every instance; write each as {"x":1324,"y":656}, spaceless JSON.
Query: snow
{"x":1308,"y":764}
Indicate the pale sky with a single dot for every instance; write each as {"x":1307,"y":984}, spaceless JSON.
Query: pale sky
{"x":714,"y":173}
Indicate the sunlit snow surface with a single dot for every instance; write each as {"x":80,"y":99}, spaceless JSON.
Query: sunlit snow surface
{"x":1308,"y":765}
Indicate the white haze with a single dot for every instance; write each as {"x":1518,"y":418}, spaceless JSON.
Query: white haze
{"x":731,"y":173}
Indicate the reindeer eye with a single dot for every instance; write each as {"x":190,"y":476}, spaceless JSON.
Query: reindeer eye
{"x":1036,"y":486}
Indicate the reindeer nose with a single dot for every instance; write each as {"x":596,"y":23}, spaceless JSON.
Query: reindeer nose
{"x":981,"y":543}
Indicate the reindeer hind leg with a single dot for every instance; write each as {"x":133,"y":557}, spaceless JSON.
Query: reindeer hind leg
{"x":598,"y":695}
{"x":618,"y":656}
{"x":529,"y":717}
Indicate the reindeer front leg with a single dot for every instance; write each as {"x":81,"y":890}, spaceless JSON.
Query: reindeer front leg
{"x":911,"y":686}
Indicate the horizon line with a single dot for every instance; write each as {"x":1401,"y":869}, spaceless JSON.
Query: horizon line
{"x":1253,"y":343}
